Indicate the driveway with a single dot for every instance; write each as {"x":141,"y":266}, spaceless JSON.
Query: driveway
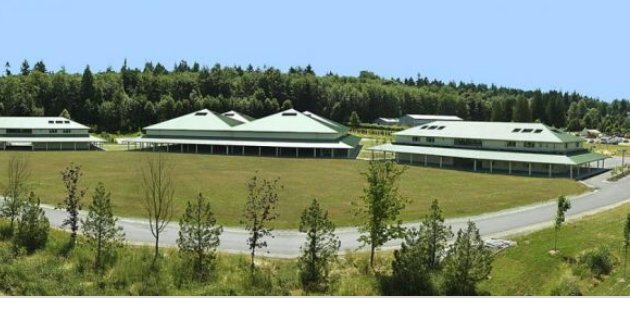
{"x":286,"y":243}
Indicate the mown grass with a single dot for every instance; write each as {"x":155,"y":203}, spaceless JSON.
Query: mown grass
{"x":54,"y":272}
{"x":338,"y":184}
{"x":529,"y":268}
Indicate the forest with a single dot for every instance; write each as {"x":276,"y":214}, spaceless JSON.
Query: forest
{"x":126,"y":100}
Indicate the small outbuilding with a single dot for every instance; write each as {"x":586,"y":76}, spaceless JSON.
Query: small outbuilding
{"x":388,"y":121}
{"x":421,"y":119}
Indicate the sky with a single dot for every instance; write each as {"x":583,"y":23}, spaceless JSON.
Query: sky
{"x":578,"y":46}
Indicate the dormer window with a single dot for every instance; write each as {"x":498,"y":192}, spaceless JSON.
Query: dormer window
{"x":289,"y":114}
{"x":201,"y":113}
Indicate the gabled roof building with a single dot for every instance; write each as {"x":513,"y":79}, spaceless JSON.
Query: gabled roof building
{"x":526,"y":148}
{"x":421,"y":119}
{"x":45,"y":133}
{"x":287,"y":133}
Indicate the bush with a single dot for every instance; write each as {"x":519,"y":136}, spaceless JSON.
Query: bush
{"x":598,"y":261}
{"x":568,"y":286}
{"x":32,"y":227}
{"x":410,"y":275}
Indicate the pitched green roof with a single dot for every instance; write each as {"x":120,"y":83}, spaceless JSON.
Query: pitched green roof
{"x":505,"y":131}
{"x":199,"y":120}
{"x":243,"y":118}
{"x":290,"y":121}
{"x":38,"y":122}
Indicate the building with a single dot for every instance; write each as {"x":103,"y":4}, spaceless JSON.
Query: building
{"x":45,"y":133}
{"x":590,"y":133}
{"x":287,"y":133}
{"x":526,"y":148}
{"x":421,"y":119}
{"x":386,"y":121}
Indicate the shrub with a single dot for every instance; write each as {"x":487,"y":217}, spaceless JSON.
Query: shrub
{"x":598,"y":261}
{"x":32,"y":227}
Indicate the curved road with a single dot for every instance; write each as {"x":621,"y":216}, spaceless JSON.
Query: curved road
{"x":492,"y":225}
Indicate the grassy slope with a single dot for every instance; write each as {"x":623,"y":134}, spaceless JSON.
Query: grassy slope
{"x":528,"y":269}
{"x":337,"y":183}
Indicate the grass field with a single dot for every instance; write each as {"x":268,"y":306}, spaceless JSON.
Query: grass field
{"x":528,"y":269}
{"x":336,"y":183}
{"x":611,"y":150}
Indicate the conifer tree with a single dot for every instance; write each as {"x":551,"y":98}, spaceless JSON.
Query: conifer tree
{"x":25,"y":69}
{"x":72,"y":203}
{"x":354,"y":120}
{"x":320,"y":248}
{"x":32,"y":227}
{"x":99,"y":227}
{"x":436,"y":235}
{"x":410,"y":274}
{"x":199,"y":236}
{"x":467,"y":263}
{"x":563,"y":206}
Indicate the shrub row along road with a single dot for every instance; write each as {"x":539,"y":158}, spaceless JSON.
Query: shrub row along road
{"x":286,"y":243}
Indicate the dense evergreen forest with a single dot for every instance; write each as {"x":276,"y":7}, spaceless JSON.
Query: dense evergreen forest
{"x":128,"y":99}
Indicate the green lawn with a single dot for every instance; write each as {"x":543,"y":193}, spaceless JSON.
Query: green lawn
{"x":528,"y":269}
{"x":337,"y":183}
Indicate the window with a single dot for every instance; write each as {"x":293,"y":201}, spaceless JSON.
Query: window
{"x":19,"y":131}
{"x":538,"y":131}
{"x":441,"y":127}
{"x":66,"y":131}
{"x":201,"y":113}
{"x":289,"y":114}
{"x":414,"y":139}
{"x":423,"y":127}
{"x":577,"y":144}
{"x":529,"y":145}
{"x":228,"y":114}
{"x":430,"y":139}
{"x":52,"y":131}
{"x":468,"y":142}
{"x":51,"y":122}
{"x":527,"y":130}
{"x":58,"y":122}
{"x":516,"y":130}
{"x":432,"y":127}
{"x":66,"y":122}
{"x":511,"y":144}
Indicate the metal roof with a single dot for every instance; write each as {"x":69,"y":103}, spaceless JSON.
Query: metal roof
{"x":342,"y":144}
{"x":292,"y":121}
{"x":494,"y":155}
{"x":243,"y":118}
{"x":38,"y":122}
{"x":51,"y":139}
{"x":535,"y":132}
{"x":388,"y":119}
{"x":434,"y":117}
{"x":199,"y":120}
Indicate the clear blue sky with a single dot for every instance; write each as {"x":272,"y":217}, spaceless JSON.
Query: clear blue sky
{"x":566,"y":45}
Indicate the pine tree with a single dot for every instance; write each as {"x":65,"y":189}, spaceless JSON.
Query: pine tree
{"x":7,"y":69}
{"x":381,"y":205}
{"x":436,"y":236}
{"x":199,"y":236}
{"x":99,"y":227}
{"x":39,"y":67}
{"x":72,"y":203}
{"x":354,"y":120}
{"x":563,"y":206}
{"x":410,"y":274}
{"x":467,"y":263}
{"x":25,"y":69}
{"x":522,"y":111}
{"x":320,"y":248}
{"x":260,"y":209}
{"x":87,"y":85}
{"x":32,"y":227}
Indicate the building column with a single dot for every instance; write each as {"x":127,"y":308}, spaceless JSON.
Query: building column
{"x":549,"y":169}
{"x":491,"y":166}
{"x":297,"y":152}
{"x":529,"y":169}
{"x":426,"y":160}
{"x":227,"y":150}
{"x":75,"y":146}
{"x":277,"y":151}
{"x":196,"y":148}
{"x":211,"y":149}
{"x":314,"y":152}
{"x":347,"y":153}
{"x":332,"y":153}
{"x":259,"y":151}
{"x":571,"y":171}
{"x":153,"y":147}
{"x":181,"y":148}
{"x":510,"y":167}
{"x":243,"y":150}
{"x":441,"y":157}
{"x":167,"y":147}
{"x":474,"y":165}
{"x":411,"y":158}
{"x":578,"y":170}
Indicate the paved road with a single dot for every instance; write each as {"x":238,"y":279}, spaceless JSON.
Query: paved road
{"x":493,"y":225}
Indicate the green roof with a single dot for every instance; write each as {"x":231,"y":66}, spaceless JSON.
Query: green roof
{"x":38,"y":122}
{"x":494,"y":155}
{"x":504,"y":131}
{"x":243,"y":118}
{"x":290,"y":121}
{"x":199,"y":120}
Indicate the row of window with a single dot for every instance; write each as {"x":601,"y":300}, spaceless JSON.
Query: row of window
{"x":54,"y":131}
{"x":509,"y":144}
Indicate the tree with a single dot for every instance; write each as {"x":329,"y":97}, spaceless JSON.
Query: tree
{"x":410,"y":274}
{"x":25,"y":68}
{"x":467,"y":263}
{"x":522,"y":112}
{"x":72,"y":202}
{"x":354,"y":120}
{"x":286,"y":104}
{"x":563,"y":206}
{"x":39,"y":67}
{"x":381,"y":206}
{"x":626,"y":244}
{"x":435,"y":235}
{"x":32,"y":227}
{"x":65,"y":114}
{"x":158,"y":189}
{"x":15,"y":192}
{"x":320,"y":248}
{"x":100,"y":228}
{"x":199,"y":235}
{"x":7,"y":68}
{"x":260,"y":209}
{"x":87,"y":85}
